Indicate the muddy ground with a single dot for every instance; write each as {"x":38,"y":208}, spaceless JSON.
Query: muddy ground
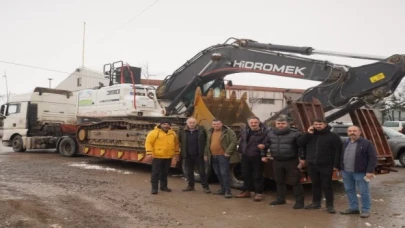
{"x":44,"y":189}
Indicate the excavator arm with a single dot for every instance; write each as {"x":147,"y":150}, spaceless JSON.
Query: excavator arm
{"x":216,"y":62}
{"x":342,"y":86}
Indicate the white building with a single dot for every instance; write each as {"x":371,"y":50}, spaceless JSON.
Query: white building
{"x":82,"y":78}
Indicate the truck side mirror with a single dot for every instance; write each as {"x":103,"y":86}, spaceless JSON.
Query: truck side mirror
{"x":3,"y":109}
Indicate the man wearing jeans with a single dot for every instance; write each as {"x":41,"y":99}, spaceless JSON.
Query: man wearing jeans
{"x":221,"y":150}
{"x":359,"y":159}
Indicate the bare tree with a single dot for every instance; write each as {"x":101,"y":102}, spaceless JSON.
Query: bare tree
{"x":253,"y":98}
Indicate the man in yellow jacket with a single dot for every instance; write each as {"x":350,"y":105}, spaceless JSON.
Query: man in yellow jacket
{"x":162,"y":144}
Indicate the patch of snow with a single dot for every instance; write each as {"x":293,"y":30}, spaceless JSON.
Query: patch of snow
{"x":98,"y":167}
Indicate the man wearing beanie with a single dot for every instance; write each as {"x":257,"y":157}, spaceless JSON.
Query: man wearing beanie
{"x":162,"y":144}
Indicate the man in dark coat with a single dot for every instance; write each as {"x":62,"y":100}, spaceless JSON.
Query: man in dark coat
{"x":285,"y":151}
{"x":250,"y":146}
{"x":322,"y":149}
{"x":193,"y":139}
{"x":359,"y":159}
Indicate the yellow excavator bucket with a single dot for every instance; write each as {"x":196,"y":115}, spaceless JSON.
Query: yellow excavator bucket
{"x":232,"y":112}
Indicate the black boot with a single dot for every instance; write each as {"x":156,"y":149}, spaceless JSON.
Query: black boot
{"x":279,"y":200}
{"x":299,"y":202}
{"x":330,"y":209}
{"x":154,"y":189}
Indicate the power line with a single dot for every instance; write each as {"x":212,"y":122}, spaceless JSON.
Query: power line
{"x":136,"y":16}
{"x":51,"y":70}
{"x":35,"y":67}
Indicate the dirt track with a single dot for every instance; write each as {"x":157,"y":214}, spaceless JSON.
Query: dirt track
{"x":44,"y":189}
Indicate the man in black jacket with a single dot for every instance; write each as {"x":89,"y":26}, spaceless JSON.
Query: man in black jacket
{"x":250,"y":145}
{"x":193,"y":139}
{"x":322,"y":149}
{"x":284,"y":148}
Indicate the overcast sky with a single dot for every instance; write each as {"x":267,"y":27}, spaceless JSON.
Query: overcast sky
{"x":48,"y":33}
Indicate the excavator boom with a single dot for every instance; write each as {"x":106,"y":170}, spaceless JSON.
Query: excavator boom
{"x":342,"y":86}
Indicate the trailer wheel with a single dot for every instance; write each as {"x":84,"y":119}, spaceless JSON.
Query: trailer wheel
{"x":17,"y":144}
{"x":197,"y":177}
{"x":68,"y":147}
{"x":236,"y":175}
{"x":402,"y":159}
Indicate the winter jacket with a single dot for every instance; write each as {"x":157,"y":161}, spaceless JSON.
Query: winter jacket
{"x":366,"y":156}
{"x":228,"y":143}
{"x":283,"y":144}
{"x":202,"y":137}
{"x":249,"y":147}
{"x":160,"y":144}
{"x":322,"y":147}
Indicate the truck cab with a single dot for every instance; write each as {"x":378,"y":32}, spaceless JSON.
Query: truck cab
{"x":34,"y":120}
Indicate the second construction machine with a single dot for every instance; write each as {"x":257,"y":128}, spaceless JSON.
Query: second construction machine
{"x":116,"y":118}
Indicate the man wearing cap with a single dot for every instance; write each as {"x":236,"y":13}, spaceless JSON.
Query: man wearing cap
{"x":162,"y":145}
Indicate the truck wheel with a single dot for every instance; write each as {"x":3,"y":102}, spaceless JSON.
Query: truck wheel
{"x":236,"y":175}
{"x":68,"y":147}
{"x":402,"y":159}
{"x":197,"y":177}
{"x":17,"y":144}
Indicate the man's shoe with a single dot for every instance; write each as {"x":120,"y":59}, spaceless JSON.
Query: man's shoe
{"x":207,"y":190}
{"x":364,"y":215}
{"x":188,"y":189}
{"x":313,"y":206}
{"x":278,"y":202}
{"x":330,"y":209}
{"x":154,"y":191}
{"x":349,"y":212}
{"x":219,"y":192}
{"x":165,"y":189}
{"x":228,"y":195}
{"x":298,"y":205}
{"x":244,"y":194}
{"x":258,"y":198}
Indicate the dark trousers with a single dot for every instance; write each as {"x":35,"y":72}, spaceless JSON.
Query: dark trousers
{"x":160,"y":170}
{"x":252,"y":170}
{"x":220,"y":164}
{"x":191,"y":163}
{"x":287,"y":170}
{"x":321,"y":177}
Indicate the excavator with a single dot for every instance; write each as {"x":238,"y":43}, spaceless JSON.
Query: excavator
{"x":115,"y":119}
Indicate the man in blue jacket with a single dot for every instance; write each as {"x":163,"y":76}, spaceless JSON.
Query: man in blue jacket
{"x":359,"y":159}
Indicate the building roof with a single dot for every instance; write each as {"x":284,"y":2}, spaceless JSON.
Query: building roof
{"x":156,"y":82}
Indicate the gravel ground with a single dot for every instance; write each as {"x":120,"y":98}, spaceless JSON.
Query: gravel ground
{"x":44,"y":189}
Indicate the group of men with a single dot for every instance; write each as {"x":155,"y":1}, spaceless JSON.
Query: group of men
{"x":319,"y":150}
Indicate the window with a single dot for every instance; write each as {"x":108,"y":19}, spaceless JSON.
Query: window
{"x":391,"y":124}
{"x":261,"y":100}
{"x":13,"y":109}
{"x":79,"y":82}
{"x":341,"y":131}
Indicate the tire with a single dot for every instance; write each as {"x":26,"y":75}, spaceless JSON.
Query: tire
{"x":197,"y":178}
{"x":236,"y":175}
{"x":17,"y":144}
{"x":402,"y":159}
{"x":68,"y":147}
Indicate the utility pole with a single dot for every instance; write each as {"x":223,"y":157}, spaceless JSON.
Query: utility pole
{"x":84,"y":33}
{"x":7,"y":95}
{"x":50,"y":79}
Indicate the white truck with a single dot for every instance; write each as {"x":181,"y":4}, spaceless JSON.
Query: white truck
{"x":38,"y":120}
